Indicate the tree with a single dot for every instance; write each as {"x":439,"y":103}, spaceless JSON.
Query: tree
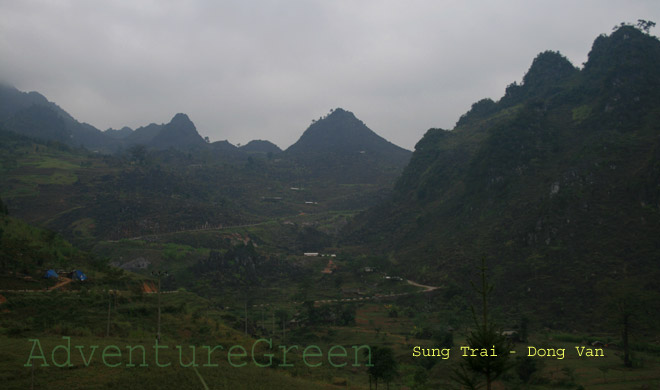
{"x":485,"y":336}
{"x":630,"y":304}
{"x":642,"y":25}
{"x":645,"y":25}
{"x":384,"y":366}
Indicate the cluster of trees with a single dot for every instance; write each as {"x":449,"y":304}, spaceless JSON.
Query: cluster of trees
{"x":384,"y":366}
{"x":238,"y":266}
{"x":26,"y":249}
{"x":628,"y":305}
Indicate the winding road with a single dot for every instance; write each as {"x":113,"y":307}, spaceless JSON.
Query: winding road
{"x":377,"y":296}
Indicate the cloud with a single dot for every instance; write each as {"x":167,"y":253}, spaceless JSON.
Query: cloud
{"x":245,"y":70}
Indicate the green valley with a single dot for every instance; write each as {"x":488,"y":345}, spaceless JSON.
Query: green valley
{"x":344,"y":261}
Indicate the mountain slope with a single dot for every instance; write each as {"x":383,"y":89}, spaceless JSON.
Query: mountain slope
{"x":12,"y":100}
{"x":33,"y":115}
{"x":556,"y":183}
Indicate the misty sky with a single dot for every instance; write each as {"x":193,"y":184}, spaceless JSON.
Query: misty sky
{"x":253,"y":69}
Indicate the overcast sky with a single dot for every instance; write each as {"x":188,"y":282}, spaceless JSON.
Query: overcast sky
{"x":251,"y":69}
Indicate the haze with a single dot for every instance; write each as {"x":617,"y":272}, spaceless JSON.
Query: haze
{"x":264,"y":69}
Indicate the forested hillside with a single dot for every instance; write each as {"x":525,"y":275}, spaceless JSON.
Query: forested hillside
{"x":557,"y":184}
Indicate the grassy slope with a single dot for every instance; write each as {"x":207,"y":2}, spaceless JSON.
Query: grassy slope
{"x":134,"y":322}
{"x":191,"y":320}
{"x":133,"y":319}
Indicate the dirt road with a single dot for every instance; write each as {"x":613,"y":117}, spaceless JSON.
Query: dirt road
{"x":63,"y":282}
{"x":426,"y":288}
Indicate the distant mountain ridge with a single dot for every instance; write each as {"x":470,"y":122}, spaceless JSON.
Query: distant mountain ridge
{"x":119,"y":134}
{"x":260,"y":146}
{"x":338,"y":147}
{"x":339,"y":133}
{"x":31,"y":114}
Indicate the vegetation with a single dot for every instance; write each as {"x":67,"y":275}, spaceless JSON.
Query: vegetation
{"x":384,"y":366}
{"x":558,"y":179}
{"x":488,"y":355}
{"x":318,"y":246}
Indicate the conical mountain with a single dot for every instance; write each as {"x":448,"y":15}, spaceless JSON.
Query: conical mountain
{"x":179,"y":133}
{"x":341,"y":132}
{"x":342,"y":148}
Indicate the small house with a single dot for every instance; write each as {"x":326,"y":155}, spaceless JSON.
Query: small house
{"x":78,"y":275}
{"x":511,"y":335}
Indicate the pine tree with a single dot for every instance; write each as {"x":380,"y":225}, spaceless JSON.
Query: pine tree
{"x":475,"y":370}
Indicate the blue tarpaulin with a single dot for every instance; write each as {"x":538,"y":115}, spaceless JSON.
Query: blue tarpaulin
{"x":78,"y":275}
{"x":50,"y":274}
